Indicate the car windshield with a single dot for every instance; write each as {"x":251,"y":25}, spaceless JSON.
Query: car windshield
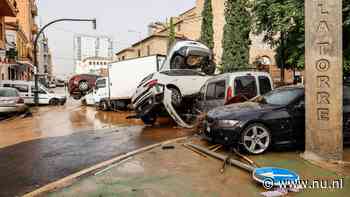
{"x":8,"y":93}
{"x":282,"y":96}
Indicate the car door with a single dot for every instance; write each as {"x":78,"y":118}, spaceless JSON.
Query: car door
{"x":188,"y":81}
{"x":24,"y":93}
{"x":346,"y":115}
{"x":44,"y":97}
{"x":215,"y":94}
{"x":297,"y":112}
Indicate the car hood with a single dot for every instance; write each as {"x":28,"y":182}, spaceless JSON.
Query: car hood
{"x":238,"y":110}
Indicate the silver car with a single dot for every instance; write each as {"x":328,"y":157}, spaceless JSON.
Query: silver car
{"x":10,"y":101}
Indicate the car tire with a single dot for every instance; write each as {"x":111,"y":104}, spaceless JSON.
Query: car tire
{"x":76,"y":97}
{"x":209,"y":69}
{"x":54,"y":101}
{"x":256,"y":139}
{"x":83,"y":86}
{"x":176,"y":97}
{"x":104,"y":106}
{"x":149,"y":119}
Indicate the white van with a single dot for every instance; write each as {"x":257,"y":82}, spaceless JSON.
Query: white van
{"x":233,"y":87}
{"x":26,"y":90}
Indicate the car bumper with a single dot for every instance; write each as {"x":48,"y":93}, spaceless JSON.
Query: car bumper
{"x":224,"y":136}
{"x":10,"y":109}
{"x":148,"y":100}
{"x":63,"y":100}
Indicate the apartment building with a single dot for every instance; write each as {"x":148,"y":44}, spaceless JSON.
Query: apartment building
{"x":20,"y":31}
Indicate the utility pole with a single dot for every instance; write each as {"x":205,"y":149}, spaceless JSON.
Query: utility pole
{"x":36,"y":75}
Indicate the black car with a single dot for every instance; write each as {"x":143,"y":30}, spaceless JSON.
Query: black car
{"x":277,"y":118}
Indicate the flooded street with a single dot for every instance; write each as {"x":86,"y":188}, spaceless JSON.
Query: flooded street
{"x":60,"y":140}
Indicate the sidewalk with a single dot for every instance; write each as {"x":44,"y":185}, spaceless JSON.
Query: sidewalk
{"x":181,"y":172}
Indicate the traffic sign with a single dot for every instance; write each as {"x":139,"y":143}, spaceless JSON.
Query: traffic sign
{"x":275,"y":176}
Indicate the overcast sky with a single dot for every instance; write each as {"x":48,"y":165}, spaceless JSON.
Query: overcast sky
{"x":114,"y":18}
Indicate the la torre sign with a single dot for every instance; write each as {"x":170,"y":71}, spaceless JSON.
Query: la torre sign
{"x":324,"y":77}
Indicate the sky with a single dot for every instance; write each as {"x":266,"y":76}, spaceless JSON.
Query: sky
{"x":125,"y":21}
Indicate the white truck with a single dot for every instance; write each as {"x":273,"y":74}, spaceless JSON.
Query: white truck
{"x":115,"y":91}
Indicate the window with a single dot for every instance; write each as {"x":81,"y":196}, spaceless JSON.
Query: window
{"x":245,"y":86}
{"x":139,"y":53}
{"x":216,"y":90}
{"x":210,"y":92}
{"x":20,"y":88}
{"x":101,"y":83}
{"x":283,"y":96}
{"x":179,"y":27}
{"x":346,"y":96}
{"x":265,"y":85}
{"x":148,"y":50}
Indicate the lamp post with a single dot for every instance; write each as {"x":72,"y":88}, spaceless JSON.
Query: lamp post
{"x":36,"y":77}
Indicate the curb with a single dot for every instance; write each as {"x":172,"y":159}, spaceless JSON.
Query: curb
{"x":73,"y":177}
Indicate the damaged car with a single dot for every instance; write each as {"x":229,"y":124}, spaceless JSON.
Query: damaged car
{"x":276,"y":118}
{"x":188,"y":66}
{"x":232,"y":88}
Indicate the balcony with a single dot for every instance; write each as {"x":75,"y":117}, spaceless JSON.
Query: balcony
{"x":34,"y":10}
{"x":8,"y":8}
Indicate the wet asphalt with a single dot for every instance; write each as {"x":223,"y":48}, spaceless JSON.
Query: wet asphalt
{"x":57,"y":142}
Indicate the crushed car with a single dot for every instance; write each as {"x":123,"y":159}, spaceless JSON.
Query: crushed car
{"x":276,"y":118}
{"x":80,"y":85}
{"x":175,"y":87}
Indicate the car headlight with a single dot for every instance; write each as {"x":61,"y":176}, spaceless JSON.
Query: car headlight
{"x":227,"y":123}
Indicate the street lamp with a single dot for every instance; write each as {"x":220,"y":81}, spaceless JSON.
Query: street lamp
{"x":36,"y":77}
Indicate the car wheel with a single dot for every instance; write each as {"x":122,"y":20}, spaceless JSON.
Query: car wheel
{"x":104,"y":106}
{"x":256,"y":139}
{"x":209,"y":69}
{"x":83,"y":86}
{"x":54,"y":101}
{"x":76,"y":97}
{"x":176,"y":97}
{"x":149,"y":119}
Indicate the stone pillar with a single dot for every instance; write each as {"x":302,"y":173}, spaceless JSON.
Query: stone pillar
{"x":324,"y":78}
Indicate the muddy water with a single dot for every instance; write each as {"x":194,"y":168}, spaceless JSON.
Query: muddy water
{"x":65,"y":120}
{"x":58,"y":141}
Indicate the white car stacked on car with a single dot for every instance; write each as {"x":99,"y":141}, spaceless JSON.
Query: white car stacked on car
{"x":187,"y":67}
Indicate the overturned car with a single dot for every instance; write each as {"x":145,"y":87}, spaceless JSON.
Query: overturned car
{"x":174,"y":88}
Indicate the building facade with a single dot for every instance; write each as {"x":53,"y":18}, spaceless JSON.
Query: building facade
{"x":20,"y":31}
{"x":155,"y":44}
{"x":93,"y":65}
{"x":188,"y":26}
{"x":44,"y":59}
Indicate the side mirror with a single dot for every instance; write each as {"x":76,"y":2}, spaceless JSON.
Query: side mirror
{"x":300,"y":106}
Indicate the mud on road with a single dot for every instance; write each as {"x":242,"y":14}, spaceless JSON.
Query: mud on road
{"x":58,"y":141}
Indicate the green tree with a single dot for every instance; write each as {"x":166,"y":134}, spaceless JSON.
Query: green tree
{"x":171,"y":34}
{"x":274,"y":18}
{"x":236,"y":35}
{"x":207,"y":31}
